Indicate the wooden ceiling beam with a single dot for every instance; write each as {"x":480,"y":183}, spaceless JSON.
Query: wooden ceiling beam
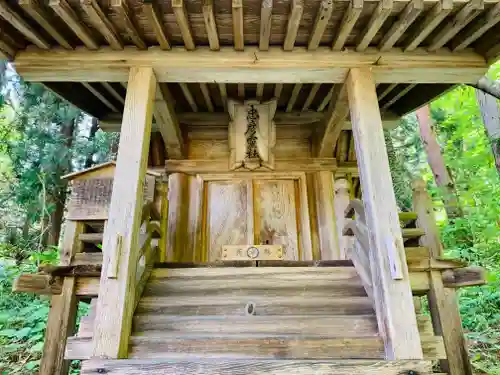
{"x":102,"y":23}
{"x":311,"y":96}
{"x":223,"y":95}
{"x":113,"y":92}
{"x":405,"y":19}
{"x":431,"y":20}
{"x":293,"y":97}
{"x":241,"y":91}
{"x":260,"y":91}
{"x":386,"y":92}
{"x":99,"y":96}
{"x":154,"y":16}
{"x":398,"y":96}
{"x":35,"y":11}
{"x":383,"y":10}
{"x":22,"y":26}
{"x":68,"y":15}
{"x":238,"y":33}
{"x":292,"y":28}
{"x":122,"y":9}
{"x":278,"y":88}
{"x":266,"y":18}
{"x":326,"y":100}
{"x":468,"y":12}
{"x":210,"y":26}
{"x":188,"y":96}
{"x":168,"y":123}
{"x":468,"y":36}
{"x":350,"y":18}
{"x":206,"y":95}
{"x":7,"y":50}
{"x":333,"y":122}
{"x":322,"y":18}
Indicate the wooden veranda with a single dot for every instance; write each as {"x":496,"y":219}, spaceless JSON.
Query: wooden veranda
{"x":261,"y":124}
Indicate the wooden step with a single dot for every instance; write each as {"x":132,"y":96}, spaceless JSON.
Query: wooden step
{"x":409,"y":233}
{"x":251,"y":367}
{"x":237,"y":346}
{"x":319,"y":325}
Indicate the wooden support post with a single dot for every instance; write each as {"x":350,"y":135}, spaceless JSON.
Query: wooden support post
{"x":341,"y":201}
{"x":326,"y":216}
{"x":442,"y":301}
{"x":162,"y":244}
{"x":391,"y":284}
{"x":115,"y":305}
{"x":60,"y":325}
{"x":71,"y":244}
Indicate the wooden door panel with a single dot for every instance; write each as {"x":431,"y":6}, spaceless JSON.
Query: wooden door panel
{"x":275,"y":215}
{"x":228,"y":215}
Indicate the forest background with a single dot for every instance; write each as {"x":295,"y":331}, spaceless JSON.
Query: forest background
{"x":43,"y":137}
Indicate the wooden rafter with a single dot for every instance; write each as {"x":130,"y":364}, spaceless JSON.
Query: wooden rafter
{"x":311,"y":96}
{"x":266,"y":11}
{"x":322,"y":18}
{"x":113,"y":92}
{"x":33,"y":8}
{"x":68,"y":15}
{"x":102,"y":23}
{"x":238,"y":34}
{"x":293,"y":97}
{"x":223,"y":94}
{"x":210,"y":26}
{"x":188,"y":96}
{"x":398,"y":96}
{"x":241,"y":91}
{"x":387,"y":91}
{"x":432,"y":19}
{"x":470,"y":35}
{"x":292,"y":28}
{"x":326,"y":100}
{"x":260,"y":91}
{"x":99,"y":96}
{"x":405,"y":19}
{"x":122,"y":9}
{"x":154,"y":17}
{"x":183,"y":22}
{"x":167,"y":123}
{"x":206,"y":95}
{"x":277,"y":90}
{"x":468,"y":12}
{"x":22,"y":26}
{"x":346,"y":25}
{"x":383,"y":10}
{"x":335,"y":116}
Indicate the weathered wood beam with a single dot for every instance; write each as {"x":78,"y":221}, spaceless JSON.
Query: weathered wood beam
{"x":405,"y":19}
{"x":113,"y":92}
{"x":102,"y":23}
{"x":7,"y":51}
{"x":311,"y":96}
{"x":326,"y":100}
{"x":329,"y":131}
{"x":168,"y":123}
{"x":121,"y":7}
{"x":391,"y":285}
{"x":293,"y":97}
{"x":238,"y":33}
{"x":383,"y":10}
{"x":117,"y":284}
{"x":266,"y":18}
{"x":223,"y":94}
{"x":68,"y":15}
{"x":278,"y":88}
{"x":292,"y":28}
{"x":252,"y":65}
{"x":206,"y":96}
{"x":7,"y":13}
{"x":154,"y":17}
{"x":99,"y":96}
{"x":432,"y":19}
{"x":468,"y":12}
{"x":260,"y":91}
{"x":182,"y":19}
{"x":241,"y":91}
{"x":210,"y":25}
{"x":470,"y":35}
{"x":322,"y":18}
{"x":387,"y":91}
{"x":350,"y":18}
{"x":398,"y":96}
{"x":33,"y":8}
{"x":188,"y":96}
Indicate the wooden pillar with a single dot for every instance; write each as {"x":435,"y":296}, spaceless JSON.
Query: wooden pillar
{"x":442,"y":301}
{"x":162,"y":244}
{"x":341,"y":201}
{"x":326,"y":216}
{"x":391,"y":285}
{"x":115,"y":305}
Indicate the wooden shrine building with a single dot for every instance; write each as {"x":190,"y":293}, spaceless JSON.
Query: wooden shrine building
{"x":265,"y":236}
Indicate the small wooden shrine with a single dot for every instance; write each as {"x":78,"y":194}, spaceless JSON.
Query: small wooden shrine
{"x":249,"y":225}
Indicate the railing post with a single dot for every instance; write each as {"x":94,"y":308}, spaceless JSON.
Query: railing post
{"x":391,"y":284}
{"x":442,"y":301}
{"x":115,"y":305}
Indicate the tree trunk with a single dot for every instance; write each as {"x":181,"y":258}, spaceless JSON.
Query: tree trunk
{"x":491,"y":119}
{"x":488,"y":86}
{"x":437,"y":164}
{"x":89,"y":161}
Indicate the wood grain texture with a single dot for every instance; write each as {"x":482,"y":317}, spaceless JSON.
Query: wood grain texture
{"x":178,"y":191}
{"x":266,"y":19}
{"x":325,"y":203}
{"x":181,"y":16}
{"x":341,"y":200}
{"x":322,"y":18}
{"x":102,"y":23}
{"x":153,"y":15}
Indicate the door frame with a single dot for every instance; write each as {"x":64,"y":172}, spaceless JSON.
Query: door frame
{"x":304,"y":223}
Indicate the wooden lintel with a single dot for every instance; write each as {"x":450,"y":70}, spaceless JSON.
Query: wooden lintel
{"x":251,"y":66}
